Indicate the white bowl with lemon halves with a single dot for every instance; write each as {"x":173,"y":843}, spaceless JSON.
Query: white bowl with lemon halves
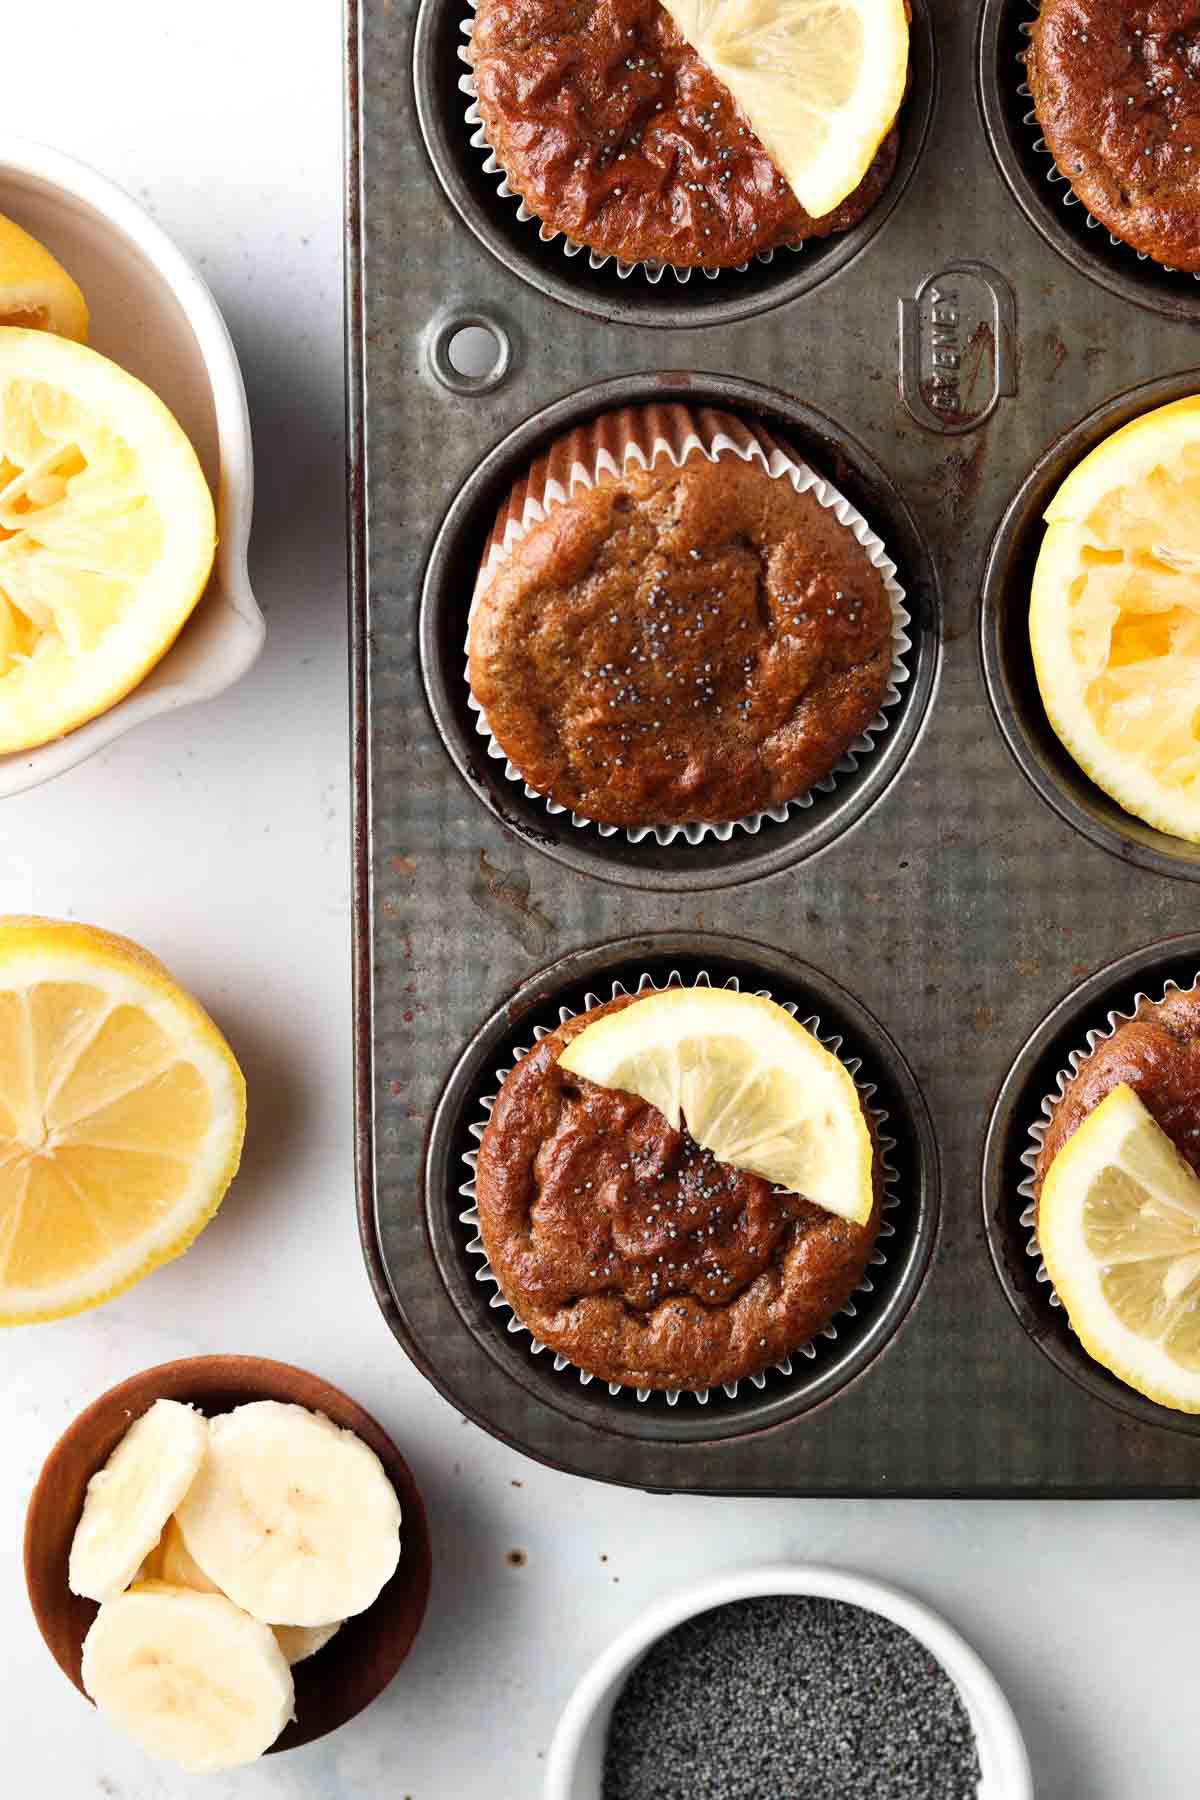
{"x":153,"y":314}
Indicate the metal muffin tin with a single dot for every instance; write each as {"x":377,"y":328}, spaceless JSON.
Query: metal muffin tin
{"x":927,"y":364}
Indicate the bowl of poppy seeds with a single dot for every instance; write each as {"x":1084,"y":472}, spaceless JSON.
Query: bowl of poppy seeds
{"x":788,"y":1683}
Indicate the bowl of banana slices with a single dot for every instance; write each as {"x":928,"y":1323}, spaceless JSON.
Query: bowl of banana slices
{"x":229,"y":1557}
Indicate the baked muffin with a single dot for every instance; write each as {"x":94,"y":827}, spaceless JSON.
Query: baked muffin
{"x":681,"y":645}
{"x":614,"y":132}
{"x":1157,"y":1054}
{"x":638,"y":1256}
{"x":1116,"y":90}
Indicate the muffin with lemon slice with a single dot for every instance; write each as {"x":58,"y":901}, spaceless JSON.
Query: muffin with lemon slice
{"x":679,"y":1188}
{"x":1115,"y":617}
{"x":695,"y":133}
{"x":1118,"y":1199}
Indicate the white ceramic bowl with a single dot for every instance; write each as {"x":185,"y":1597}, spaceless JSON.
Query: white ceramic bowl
{"x":575,"y":1763}
{"x":153,"y":314}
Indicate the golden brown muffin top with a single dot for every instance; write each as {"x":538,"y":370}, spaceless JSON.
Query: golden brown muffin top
{"x":613,"y":130}
{"x":682,"y":645}
{"x":1116,"y":89}
{"x":1157,"y":1054}
{"x":625,"y":1247}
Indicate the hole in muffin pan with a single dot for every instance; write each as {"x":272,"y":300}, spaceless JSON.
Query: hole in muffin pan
{"x":1008,"y":660}
{"x":1034,"y":1075}
{"x":679,"y":867}
{"x":470,"y":353}
{"x":878,"y":1314}
{"x":605,"y":293}
{"x":1043,"y":195}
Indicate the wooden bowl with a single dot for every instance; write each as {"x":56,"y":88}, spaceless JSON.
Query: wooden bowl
{"x":357,"y":1663}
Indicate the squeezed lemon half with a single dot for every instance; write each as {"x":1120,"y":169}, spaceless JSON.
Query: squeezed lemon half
{"x":1115,"y":617}
{"x":749,"y":1083}
{"x":107,"y":534}
{"x":1119,"y":1229}
{"x":122,"y":1113}
{"x":35,"y":290}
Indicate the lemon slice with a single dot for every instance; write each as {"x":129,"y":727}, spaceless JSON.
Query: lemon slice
{"x":35,"y":291}
{"x":107,"y":534}
{"x":1115,"y":618}
{"x":820,"y":81}
{"x":122,"y":1112}
{"x":750,"y":1085}
{"x":1119,"y":1229}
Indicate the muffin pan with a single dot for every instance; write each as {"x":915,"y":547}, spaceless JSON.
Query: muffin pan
{"x":955,"y":911}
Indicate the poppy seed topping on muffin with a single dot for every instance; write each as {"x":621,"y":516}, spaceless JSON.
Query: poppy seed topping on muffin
{"x":1116,"y":91}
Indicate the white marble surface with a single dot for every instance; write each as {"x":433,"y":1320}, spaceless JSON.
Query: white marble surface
{"x":220,"y":838}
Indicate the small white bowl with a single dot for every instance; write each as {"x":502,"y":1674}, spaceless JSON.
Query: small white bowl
{"x":575,"y":1765}
{"x":152,"y":313}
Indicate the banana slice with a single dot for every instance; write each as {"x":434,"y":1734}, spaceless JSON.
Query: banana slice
{"x":292,"y":1517}
{"x":299,"y":1642}
{"x":131,"y":1498}
{"x":190,"y":1677}
{"x":174,"y":1563}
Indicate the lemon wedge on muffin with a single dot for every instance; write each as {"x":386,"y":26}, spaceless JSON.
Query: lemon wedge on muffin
{"x":821,"y":83}
{"x":747,"y":1082}
{"x":1119,"y":1229}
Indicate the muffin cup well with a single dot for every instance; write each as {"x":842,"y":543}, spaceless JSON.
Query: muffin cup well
{"x":641,"y":435}
{"x":597,"y":259}
{"x":891,"y":1199}
{"x":1037,"y":1131}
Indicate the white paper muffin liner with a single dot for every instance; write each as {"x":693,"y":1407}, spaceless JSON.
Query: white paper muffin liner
{"x":779,"y":465}
{"x":653,"y":271}
{"x":1037,"y":1131}
{"x":891,"y":1199}
{"x":1056,"y":178}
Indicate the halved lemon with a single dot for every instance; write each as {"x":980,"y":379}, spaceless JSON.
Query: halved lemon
{"x":122,"y":1112}
{"x":107,"y":534}
{"x":820,"y":81}
{"x":35,"y":290}
{"x":1119,"y":1229}
{"x":1115,"y":618}
{"x":749,"y":1083}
